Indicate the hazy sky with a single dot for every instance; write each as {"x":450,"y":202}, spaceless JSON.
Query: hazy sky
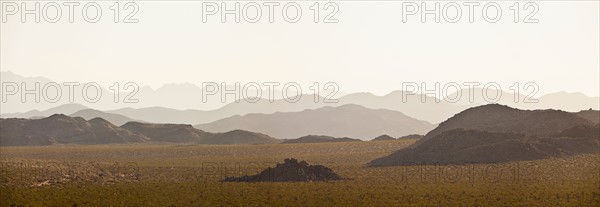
{"x":370,"y":49}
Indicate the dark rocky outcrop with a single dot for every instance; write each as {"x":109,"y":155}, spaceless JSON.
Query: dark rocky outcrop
{"x":291,"y":170}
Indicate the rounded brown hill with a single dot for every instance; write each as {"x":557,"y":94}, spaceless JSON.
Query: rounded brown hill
{"x":501,"y":118}
{"x":495,"y":133}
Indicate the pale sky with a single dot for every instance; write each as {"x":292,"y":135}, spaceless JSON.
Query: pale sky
{"x":369,"y":50}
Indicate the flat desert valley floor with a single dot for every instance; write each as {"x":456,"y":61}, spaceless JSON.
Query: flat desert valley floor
{"x":189,"y":175}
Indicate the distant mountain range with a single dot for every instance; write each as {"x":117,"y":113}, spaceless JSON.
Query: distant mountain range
{"x":497,"y":133}
{"x":192,"y":116}
{"x":182,"y":104}
{"x":342,"y":121}
{"x":61,"y":109}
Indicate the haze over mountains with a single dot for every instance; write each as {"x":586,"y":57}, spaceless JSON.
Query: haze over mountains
{"x":188,"y":96}
{"x":497,"y":133}
{"x":484,"y":134}
{"x":343,"y":121}
{"x":192,"y":116}
{"x":181,"y":103}
{"x":357,"y":115}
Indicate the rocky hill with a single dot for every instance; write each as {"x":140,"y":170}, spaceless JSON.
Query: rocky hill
{"x":500,"y":118}
{"x":495,"y":133}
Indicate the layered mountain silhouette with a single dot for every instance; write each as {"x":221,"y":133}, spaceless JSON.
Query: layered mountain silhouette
{"x":62,"y":129}
{"x":343,"y":121}
{"x":116,"y":119}
{"x":192,"y":116}
{"x":497,"y":133}
{"x":318,"y":139}
{"x":190,"y":109}
{"x":168,"y":95}
{"x":61,"y":109}
{"x":423,"y":107}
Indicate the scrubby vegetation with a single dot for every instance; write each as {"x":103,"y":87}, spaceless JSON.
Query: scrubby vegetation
{"x":189,"y":175}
